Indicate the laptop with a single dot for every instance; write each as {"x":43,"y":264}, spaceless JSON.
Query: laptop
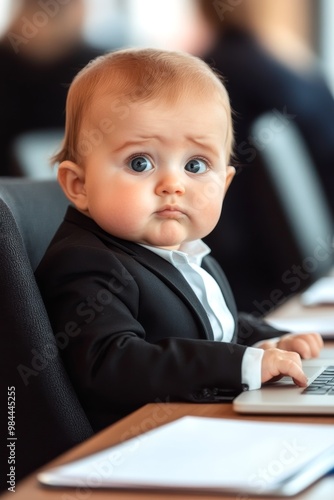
{"x":284,"y":397}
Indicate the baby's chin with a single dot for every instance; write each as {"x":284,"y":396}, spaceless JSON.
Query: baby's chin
{"x":171,"y":237}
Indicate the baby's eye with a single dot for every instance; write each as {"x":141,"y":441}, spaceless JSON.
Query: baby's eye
{"x":140,"y":164}
{"x":196,"y":166}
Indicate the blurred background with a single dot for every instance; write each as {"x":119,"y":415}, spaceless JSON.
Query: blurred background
{"x":276,"y":58}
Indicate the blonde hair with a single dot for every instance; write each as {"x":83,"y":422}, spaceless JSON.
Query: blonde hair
{"x":139,"y":75}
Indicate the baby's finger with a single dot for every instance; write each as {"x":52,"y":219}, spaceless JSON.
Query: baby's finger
{"x":302,"y":346}
{"x":296,"y":343}
{"x":291,"y":368}
{"x":314,"y":345}
{"x":319,"y":340}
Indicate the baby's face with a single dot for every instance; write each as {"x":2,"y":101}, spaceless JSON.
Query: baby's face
{"x":160,"y":176}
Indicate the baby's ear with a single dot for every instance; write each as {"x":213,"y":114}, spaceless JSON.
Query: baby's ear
{"x":71,"y":177}
{"x":230,"y":172}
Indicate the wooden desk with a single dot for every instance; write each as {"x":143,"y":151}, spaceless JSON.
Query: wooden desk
{"x":146,"y":418}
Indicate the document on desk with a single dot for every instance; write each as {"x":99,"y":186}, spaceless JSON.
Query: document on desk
{"x":320,"y":324}
{"x":320,"y":293}
{"x":208,"y":455}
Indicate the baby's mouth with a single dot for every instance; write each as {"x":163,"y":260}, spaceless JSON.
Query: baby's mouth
{"x":170,"y":212}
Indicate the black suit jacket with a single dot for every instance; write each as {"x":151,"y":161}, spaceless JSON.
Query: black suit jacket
{"x":130,"y":328}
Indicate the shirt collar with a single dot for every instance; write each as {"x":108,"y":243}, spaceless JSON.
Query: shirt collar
{"x":191,"y":252}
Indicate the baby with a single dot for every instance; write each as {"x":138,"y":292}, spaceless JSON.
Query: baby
{"x":140,"y":311}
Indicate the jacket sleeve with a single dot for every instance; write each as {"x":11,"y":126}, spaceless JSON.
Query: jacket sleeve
{"x":252,"y":329}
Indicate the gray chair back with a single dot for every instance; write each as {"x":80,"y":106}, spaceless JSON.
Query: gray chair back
{"x":48,"y":416}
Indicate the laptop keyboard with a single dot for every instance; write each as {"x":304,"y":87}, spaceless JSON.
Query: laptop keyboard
{"x":322,"y":384}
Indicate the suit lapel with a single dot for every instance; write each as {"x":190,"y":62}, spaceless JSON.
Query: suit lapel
{"x":156,"y":264}
{"x":174,"y":279}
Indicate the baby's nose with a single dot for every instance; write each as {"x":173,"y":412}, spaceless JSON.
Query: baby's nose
{"x":170,"y":184}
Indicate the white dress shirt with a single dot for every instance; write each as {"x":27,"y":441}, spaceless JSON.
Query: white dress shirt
{"x":188,"y":261}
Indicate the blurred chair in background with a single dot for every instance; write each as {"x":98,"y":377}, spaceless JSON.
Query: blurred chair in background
{"x":298,"y":223}
{"x":48,"y":416}
{"x":40,"y":54}
{"x":261,"y":77}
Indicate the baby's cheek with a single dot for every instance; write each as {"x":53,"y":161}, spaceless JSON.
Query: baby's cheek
{"x":212,"y":219}
{"x":208,"y":197}
{"x":201,"y":202}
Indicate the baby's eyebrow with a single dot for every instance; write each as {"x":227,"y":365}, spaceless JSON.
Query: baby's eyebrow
{"x":205,"y":143}
{"x":202,"y":141}
{"x":127,"y":144}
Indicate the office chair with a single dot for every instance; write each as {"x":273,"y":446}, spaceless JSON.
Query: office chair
{"x":289,"y":176}
{"x":48,"y":416}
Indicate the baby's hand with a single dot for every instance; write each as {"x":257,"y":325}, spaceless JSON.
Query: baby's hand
{"x":277,"y":363}
{"x":308,"y":345}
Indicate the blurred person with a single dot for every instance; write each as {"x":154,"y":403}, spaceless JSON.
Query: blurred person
{"x":40,"y":53}
{"x":266,"y":69}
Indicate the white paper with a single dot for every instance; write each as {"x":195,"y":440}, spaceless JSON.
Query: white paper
{"x":320,"y":324}
{"x":321,"y":292}
{"x":202,"y":453}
